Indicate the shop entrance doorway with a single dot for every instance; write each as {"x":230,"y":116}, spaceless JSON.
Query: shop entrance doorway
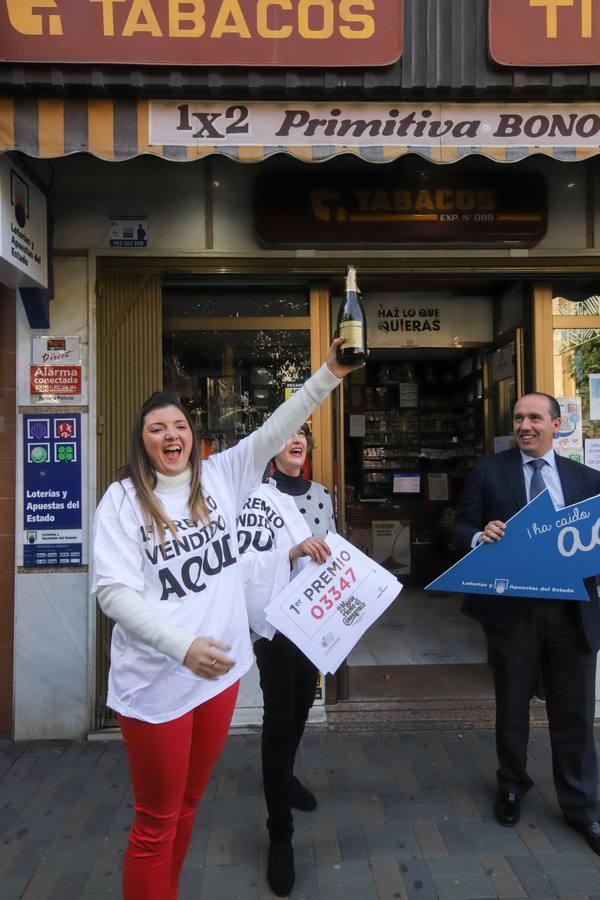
{"x":415,"y":429}
{"x":412,"y":425}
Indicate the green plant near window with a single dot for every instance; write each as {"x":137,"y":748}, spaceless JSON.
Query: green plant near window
{"x":583,"y":361}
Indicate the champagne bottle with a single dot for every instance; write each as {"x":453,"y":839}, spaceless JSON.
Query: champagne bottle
{"x":351,"y":324}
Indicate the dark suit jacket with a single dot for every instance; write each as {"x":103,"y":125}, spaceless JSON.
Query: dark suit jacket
{"x":496,"y":490}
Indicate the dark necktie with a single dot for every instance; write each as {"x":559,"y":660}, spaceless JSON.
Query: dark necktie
{"x":537,"y":482}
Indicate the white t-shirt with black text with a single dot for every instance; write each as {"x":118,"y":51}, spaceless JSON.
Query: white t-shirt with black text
{"x":178,"y":580}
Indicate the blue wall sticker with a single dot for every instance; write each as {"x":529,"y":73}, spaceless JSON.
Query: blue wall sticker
{"x":52,"y":490}
{"x":545,"y":552}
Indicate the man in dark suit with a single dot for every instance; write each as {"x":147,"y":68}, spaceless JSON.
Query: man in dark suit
{"x":524,"y":635}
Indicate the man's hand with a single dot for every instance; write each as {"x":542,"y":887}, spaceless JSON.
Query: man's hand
{"x":203,"y":658}
{"x":492,"y":532}
{"x":313,"y":547}
{"x":333,"y":364}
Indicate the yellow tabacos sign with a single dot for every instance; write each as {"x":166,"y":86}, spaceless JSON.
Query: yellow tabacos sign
{"x":544,"y":32}
{"x":203,"y":32}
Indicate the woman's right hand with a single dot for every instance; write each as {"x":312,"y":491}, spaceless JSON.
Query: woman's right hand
{"x":204,"y":659}
{"x":332,"y":363}
{"x":313,"y":547}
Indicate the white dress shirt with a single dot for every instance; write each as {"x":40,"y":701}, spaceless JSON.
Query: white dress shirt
{"x":549,"y":474}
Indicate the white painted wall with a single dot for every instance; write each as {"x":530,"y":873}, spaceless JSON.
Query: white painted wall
{"x":52,"y":610}
{"x":52,"y":613}
{"x":86,"y":192}
{"x":68,"y":317}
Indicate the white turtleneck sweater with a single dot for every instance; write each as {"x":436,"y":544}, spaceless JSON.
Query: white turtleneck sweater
{"x":130,"y":610}
{"x":162,"y":596}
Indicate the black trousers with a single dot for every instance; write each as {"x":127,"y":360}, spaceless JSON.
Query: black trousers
{"x":288,"y":681}
{"x":547,"y":636}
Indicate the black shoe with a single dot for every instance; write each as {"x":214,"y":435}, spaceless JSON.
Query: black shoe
{"x":507,"y":808}
{"x":302,"y":798}
{"x":280,"y":867}
{"x":590,"y":831}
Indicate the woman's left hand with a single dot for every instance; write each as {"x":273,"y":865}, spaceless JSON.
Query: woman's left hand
{"x":313,"y":547}
{"x":332,"y":360}
{"x":205,"y":658}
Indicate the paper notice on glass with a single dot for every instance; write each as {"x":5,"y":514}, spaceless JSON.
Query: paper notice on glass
{"x":437,"y":482}
{"x":592,"y":453}
{"x":327,"y":608}
{"x":358,"y":426}
{"x":409,"y":395}
{"x":406,"y":483}
{"x":569,"y":436}
{"x":594,"y":395}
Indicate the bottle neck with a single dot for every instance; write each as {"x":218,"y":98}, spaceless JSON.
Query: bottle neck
{"x":351,"y":284}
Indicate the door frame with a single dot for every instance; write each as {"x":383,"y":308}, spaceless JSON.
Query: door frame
{"x":544,"y":324}
{"x":514,"y":336}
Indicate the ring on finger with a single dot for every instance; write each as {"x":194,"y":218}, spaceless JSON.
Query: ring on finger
{"x":213,"y":664}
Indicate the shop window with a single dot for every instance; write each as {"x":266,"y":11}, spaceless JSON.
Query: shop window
{"x":577,"y":376}
{"x":414,"y":430}
{"x":234,"y":304}
{"x":231,"y":381}
{"x":584,"y":306}
{"x":576,"y":347}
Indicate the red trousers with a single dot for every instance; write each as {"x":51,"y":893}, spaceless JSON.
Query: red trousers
{"x":170,"y":766}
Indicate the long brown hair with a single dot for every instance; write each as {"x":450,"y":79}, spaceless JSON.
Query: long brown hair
{"x":140,"y":470}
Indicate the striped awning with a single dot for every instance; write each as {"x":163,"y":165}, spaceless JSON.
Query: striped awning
{"x":120,"y":129}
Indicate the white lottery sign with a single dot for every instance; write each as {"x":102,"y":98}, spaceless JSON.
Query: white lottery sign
{"x":327,"y":608}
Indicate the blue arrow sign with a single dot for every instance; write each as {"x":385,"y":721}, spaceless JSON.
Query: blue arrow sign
{"x":545,"y":552}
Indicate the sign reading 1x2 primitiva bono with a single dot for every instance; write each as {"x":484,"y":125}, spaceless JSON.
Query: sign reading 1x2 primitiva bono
{"x":444,"y":127}
{"x":52,"y":490}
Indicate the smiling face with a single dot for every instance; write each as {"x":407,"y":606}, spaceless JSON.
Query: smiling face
{"x":167,"y":440}
{"x":533,"y":425}
{"x":292,"y":457}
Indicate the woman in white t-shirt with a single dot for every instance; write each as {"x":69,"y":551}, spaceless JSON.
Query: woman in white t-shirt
{"x":165,"y":569}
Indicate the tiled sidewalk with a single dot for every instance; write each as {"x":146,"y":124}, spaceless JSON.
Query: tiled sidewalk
{"x":400,"y":815}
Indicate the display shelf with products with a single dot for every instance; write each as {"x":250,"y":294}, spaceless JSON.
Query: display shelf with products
{"x":422,"y":434}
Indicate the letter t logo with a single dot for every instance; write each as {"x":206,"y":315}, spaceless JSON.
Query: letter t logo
{"x":551,"y":13}
{"x":25,"y":20}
